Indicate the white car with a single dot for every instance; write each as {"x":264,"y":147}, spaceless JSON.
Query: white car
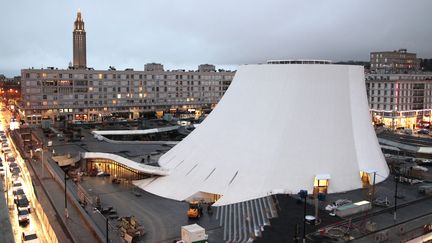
{"x":29,"y":237}
{"x":338,"y":203}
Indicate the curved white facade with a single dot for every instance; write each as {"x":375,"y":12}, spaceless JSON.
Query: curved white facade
{"x":275,"y":130}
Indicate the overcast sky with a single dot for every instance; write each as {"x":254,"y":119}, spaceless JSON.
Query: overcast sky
{"x":185,"y":33}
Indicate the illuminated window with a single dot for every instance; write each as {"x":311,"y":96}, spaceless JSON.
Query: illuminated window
{"x":321,"y":183}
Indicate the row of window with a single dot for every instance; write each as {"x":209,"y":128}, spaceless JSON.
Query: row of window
{"x":399,"y":107}
{"x":138,"y":83}
{"x":127,"y":76}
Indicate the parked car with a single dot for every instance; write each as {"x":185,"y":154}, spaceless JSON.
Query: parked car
{"x":423,"y":131}
{"x":15,"y":186}
{"x":12,"y":166}
{"x":29,"y":237}
{"x":18,"y":193}
{"x":407,"y":131}
{"x":22,"y":202}
{"x":23,"y":216}
{"x":16,"y":173}
{"x":10,"y":158}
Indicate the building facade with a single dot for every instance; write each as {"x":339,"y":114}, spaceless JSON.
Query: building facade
{"x":400,"y":100}
{"x":79,"y":44}
{"x":394,"y":61}
{"x":91,"y":95}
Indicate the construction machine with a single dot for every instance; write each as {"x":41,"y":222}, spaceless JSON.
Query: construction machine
{"x":195,"y":210}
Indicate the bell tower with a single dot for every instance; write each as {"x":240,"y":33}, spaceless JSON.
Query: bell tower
{"x":79,"y":43}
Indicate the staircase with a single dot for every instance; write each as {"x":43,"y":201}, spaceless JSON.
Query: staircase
{"x":244,"y":221}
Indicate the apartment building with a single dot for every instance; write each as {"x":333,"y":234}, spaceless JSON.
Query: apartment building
{"x":400,"y":100}
{"x":91,"y":95}
{"x":394,"y":61}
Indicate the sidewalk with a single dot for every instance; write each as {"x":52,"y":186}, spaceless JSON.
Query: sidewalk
{"x":75,"y":224}
{"x":6,"y":233}
{"x":61,"y":233}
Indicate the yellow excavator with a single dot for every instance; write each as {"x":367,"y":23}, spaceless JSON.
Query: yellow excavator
{"x":195,"y":210}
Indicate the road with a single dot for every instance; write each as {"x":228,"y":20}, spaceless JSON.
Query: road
{"x":34,"y":223}
{"x":414,"y":140}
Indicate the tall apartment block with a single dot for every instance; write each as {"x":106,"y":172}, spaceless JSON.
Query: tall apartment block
{"x":400,"y":100}
{"x":84,"y":94}
{"x":394,"y":61}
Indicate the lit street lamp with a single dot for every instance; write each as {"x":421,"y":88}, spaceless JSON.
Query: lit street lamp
{"x":42,"y":160}
{"x":95,"y":210}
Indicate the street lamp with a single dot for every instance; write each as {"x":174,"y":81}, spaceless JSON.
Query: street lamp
{"x":397,"y":178}
{"x":95,"y":210}
{"x":7,"y":188}
{"x":42,"y":159}
{"x":65,"y":197}
{"x":303,"y":194}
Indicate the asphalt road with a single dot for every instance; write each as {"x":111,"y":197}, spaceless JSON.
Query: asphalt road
{"x":414,"y":140}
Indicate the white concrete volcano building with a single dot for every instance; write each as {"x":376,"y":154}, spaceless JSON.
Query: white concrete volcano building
{"x":279,"y":128}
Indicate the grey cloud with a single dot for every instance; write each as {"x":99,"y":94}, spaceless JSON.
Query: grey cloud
{"x":183,"y":34}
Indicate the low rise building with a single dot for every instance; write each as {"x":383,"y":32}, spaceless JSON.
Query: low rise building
{"x":394,"y":61}
{"x":400,"y":100}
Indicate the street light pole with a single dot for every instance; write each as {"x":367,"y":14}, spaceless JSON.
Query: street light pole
{"x":7,"y":189}
{"x":106,"y":223}
{"x":303,"y":194}
{"x":65,"y":197}
{"x":395,"y":197}
{"x":107,"y":238}
{"x":42,"y":162}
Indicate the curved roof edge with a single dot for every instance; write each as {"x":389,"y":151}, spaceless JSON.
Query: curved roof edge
{"x":147,"y":169}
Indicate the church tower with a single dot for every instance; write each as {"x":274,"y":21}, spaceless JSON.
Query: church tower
{"x":79,"y":43}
